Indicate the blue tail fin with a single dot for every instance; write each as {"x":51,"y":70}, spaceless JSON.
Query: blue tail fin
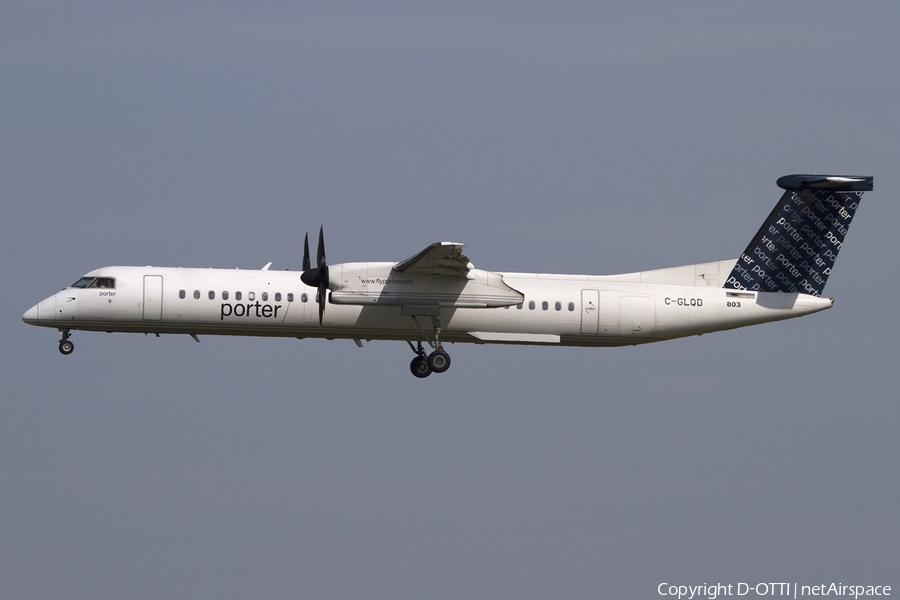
{"x":796,"y":247}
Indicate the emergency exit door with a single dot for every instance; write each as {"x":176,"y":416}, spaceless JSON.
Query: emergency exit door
{"x":590,"y":310}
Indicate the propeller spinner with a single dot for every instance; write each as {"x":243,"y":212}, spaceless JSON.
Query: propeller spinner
{"x":317,"y":276}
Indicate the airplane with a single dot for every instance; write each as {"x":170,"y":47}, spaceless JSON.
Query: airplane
{"x":437,"y":296}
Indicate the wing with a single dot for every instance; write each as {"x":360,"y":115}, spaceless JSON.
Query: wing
{"x":440,"y":258}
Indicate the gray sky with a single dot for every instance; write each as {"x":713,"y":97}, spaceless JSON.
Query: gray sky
{"x":560,"y":137}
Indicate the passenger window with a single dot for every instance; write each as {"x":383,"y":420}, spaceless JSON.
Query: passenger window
{"x":558,"y":306}
{"x":237,"y":295}
{"x":225,"y":295}
{"x":571,"y":307}
{"x":304,"y":297}
{"x":290,"y":297}
{"x":544,"y":305}
{"x":519,"y":306}
{"x":531,"y":305}
{"x":265,"y":296}
{"x":212,"y":295}
{"x":277,"y":296}
{"x":196,"y":294}
{"x":181,"y":294}
{"x":251,"y":296}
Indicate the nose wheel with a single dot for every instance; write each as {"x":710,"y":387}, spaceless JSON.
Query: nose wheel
{"x":65,"y":346}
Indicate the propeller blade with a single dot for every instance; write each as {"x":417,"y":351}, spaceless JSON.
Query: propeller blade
{"x":306,"y":264}
{"x":323,"y":289}
{"x":320,"y":252}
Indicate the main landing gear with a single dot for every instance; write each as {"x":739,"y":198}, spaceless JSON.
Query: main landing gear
{"x":424,"y":365}
{"x":65,"y":346}
{"x":437,"y":362}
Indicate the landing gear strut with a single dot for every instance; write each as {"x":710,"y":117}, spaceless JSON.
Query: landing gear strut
{"x":438,"y":361}
{"x":65,"y":346}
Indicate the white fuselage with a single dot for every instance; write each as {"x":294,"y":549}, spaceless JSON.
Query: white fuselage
{"x":573,"y":310}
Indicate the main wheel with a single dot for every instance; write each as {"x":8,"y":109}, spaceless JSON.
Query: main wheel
{"x":419,"y":367}
{"x":439,"y":361}
{"x":66,"y":347}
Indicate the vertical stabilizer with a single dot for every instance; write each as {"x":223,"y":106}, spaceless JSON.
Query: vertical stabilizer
{"x":795,"y":249}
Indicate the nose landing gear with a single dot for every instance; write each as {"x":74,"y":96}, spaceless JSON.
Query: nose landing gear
{"x":65,"y":346}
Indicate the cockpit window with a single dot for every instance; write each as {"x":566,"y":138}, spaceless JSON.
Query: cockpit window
{"x":95,"y":282}
{"x":83,"y":282}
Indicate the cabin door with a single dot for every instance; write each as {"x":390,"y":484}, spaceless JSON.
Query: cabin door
{"x":153,"y":290}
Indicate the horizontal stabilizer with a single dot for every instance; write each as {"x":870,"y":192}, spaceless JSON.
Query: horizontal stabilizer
{"x":842,"y":183}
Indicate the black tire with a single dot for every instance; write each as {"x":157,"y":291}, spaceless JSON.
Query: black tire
{"x":66,"y":347}
{"x":419,"y":367}
{"x":439,"y":361}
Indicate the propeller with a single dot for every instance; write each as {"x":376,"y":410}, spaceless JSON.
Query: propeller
{"x":317,"y":276}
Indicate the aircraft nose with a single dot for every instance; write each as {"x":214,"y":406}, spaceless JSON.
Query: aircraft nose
{"x":31,"y":315}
